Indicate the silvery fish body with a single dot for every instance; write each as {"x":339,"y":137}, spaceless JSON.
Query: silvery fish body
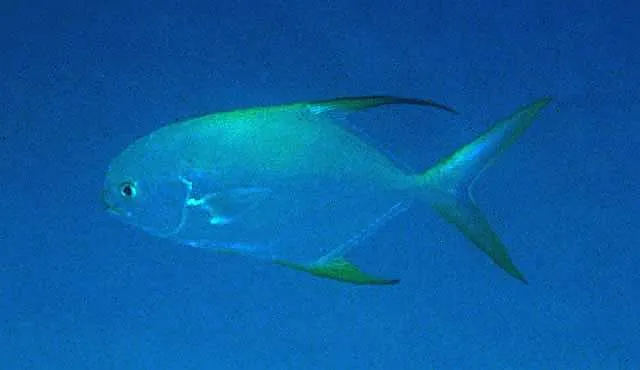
{"x":288,"y":184}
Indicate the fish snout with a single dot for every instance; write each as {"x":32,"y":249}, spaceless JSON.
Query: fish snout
{"x":108,"y":204}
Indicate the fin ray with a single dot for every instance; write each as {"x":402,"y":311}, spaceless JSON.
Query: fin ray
{"x":370,"y":230}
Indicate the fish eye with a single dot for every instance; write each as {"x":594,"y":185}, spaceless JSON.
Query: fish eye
{"x":128,"y":190}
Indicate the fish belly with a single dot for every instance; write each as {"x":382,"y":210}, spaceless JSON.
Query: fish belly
{"x":299,"y":221}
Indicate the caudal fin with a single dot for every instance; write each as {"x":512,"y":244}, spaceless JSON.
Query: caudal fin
{"x":453,"y":177}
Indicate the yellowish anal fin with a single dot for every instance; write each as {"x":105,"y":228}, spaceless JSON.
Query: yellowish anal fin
{"x":338,"y":268}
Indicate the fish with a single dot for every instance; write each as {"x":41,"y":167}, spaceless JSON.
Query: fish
{"x":293,"y":185}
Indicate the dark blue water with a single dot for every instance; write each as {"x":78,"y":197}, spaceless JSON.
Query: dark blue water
{"x":79,"y":81}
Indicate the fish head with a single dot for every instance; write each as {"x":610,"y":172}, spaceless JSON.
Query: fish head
{"x":143,"y":189}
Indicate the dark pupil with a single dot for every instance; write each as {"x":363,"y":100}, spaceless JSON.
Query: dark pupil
{"x":127,"y":190}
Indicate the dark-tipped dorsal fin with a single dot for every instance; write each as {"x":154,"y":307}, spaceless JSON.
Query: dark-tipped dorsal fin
{"x":357,"y":103}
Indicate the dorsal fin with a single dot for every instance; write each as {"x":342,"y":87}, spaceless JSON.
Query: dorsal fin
{"x":358,"y":103}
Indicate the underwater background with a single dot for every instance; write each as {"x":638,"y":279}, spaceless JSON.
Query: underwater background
{"x":81,"y":80}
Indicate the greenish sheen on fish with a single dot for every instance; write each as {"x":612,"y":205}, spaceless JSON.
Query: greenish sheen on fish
{"x":291,"y":185}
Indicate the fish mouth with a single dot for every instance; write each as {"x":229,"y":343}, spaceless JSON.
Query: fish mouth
{"x":108,"y":206}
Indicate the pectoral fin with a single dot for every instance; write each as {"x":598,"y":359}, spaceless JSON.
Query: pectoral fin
{"x":338,"y":268}
{"x":225,"y":206}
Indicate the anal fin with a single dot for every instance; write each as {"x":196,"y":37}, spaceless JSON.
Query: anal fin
{"x":338,"y":268}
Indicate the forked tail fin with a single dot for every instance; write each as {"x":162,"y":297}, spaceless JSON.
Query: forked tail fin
{"x":450,"y":181}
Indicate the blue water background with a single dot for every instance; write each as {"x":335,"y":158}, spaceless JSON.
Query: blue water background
{"x":81,"y":80}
